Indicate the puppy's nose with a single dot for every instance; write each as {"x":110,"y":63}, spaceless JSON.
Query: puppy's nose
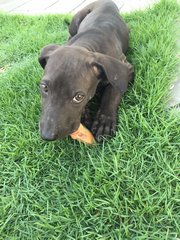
{"x":47,"y":132}
{"x":48,"y":136}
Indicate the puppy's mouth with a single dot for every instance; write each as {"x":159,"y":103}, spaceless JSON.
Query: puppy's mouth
{"x":52,"y":135}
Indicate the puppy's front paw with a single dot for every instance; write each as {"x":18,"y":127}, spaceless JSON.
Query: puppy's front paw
{"x":103,"y":126}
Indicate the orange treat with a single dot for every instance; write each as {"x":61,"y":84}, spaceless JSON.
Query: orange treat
{"x":83,"y":135}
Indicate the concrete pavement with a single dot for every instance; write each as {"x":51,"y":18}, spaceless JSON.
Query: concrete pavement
{"x":33,"y":7}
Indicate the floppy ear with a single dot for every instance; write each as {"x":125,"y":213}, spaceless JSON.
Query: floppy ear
{"x":45,"y":53}
{"x":118,"y":73}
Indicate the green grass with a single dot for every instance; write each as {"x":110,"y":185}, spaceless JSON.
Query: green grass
{"x":125,"y":188}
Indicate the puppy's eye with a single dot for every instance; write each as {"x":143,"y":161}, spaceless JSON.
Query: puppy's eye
{"x":44,"y":88}
{"x":78,"y":98}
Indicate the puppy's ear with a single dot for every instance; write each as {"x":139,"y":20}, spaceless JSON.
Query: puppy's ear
{"x":118,"y":73}
{"x":45,"y":53}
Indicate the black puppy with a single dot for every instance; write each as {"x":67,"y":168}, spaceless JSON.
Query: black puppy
{"x":94,"y":55}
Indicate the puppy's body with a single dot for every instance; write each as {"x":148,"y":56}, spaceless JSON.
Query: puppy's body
{"x":94,"y":54}
{"x":99,"y":28}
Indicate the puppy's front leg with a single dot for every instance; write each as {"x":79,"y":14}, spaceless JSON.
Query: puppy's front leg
{"x":86,"y":118}
{"x":105,"y":121}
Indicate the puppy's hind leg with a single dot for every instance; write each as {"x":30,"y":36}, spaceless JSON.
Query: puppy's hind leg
{"x":78,"y":18}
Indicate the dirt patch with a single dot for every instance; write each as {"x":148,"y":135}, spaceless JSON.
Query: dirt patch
{"x":2,"y":70}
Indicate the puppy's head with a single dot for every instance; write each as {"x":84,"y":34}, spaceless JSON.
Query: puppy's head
{"x":71,"y":76}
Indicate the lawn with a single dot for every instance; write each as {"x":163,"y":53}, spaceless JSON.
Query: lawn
{"x":124,"y":188}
